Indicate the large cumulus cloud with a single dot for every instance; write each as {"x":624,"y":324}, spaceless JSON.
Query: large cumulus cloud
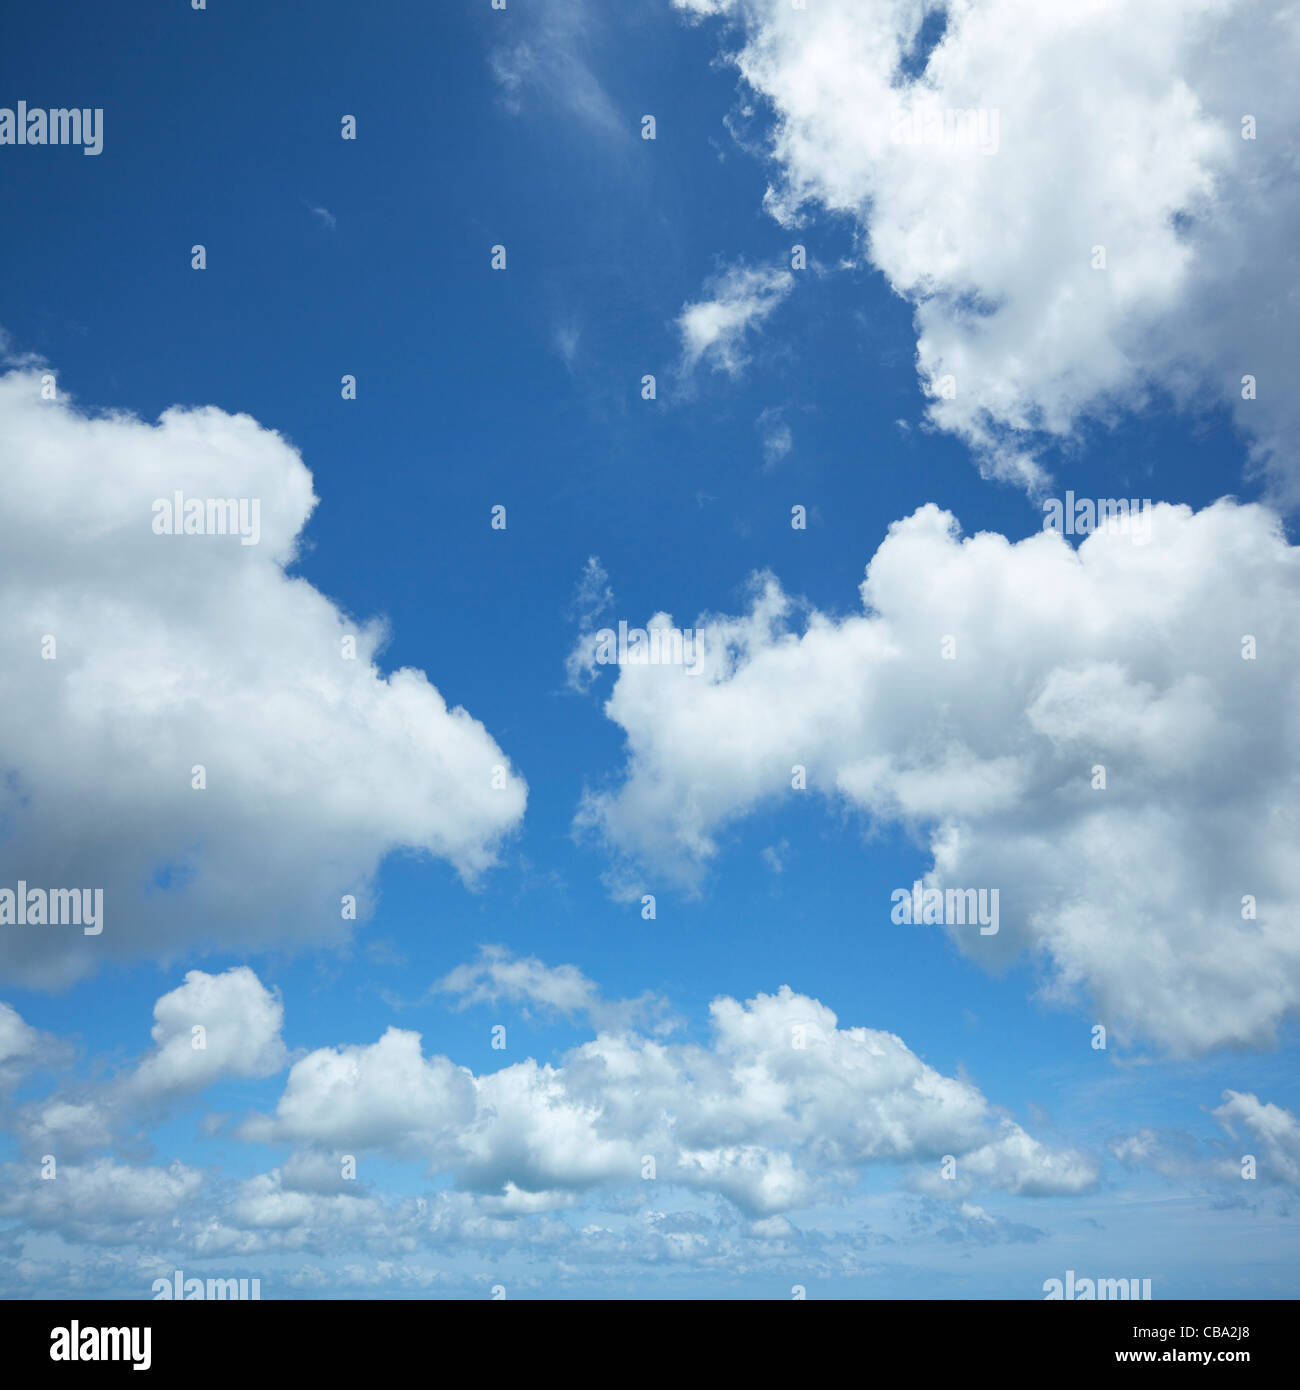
{"x":172,"y":651}
{"x":1117,"y":127}
{"x":1118,"y":655}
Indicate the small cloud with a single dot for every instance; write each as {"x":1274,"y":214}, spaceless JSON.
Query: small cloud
{"x":1274,"y":1130}
{"x":714,"y":329}
{"x":498,"y":974}
{"x":776,"y":436}
{"x":774,"y":856}
{"x":1134,"y":1148}
{"x":553,"y":61}
{"x":13,"y":357}
{"x":592,"y":597}
{"x":512,"y":67}
{"x":326,"y":216}
{"x":566,"y":338}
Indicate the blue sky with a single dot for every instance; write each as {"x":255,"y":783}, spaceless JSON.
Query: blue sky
{"x":522,"y":388}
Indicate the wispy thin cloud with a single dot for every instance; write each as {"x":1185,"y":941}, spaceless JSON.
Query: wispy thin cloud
{"x":592,"y":598}
{"x":499,"y":975}
{"x":776,"y":436}
{"x":553,"y":62}
{"x":713,"y":330}
{"x":566,"y":338}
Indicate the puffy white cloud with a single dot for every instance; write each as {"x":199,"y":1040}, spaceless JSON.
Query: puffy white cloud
{"x":1118,"y":654}
{"x":1093,"y":126}
{"x":1275,"y":1129}
{"x":532,"y":1130}
{"x":781,"y":1104}
{"x":262,"y":1215}
{"x":177,"y":650}
{"x":766,"y":1127}
{"x":19,"y":1046}
{"x":69,"y":1129}
{"x":514,"y":1201}
{"x":103,"y":1201}
{"x":241,"y":1021}
{"x":264,"y":1202}
{"x":369,"y":1096}
{"x":740,"y":299}
{"x":1017,"y":1162}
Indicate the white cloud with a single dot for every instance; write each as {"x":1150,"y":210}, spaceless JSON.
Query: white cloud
{"x":19,"y":1047}
{"x":567,"y":336}
{"x":1276,"y":1130}
{"x":241,"y":1021}
{"x":103,"y":1201}
{"x":317,"y":1171}
{"x":1135,"y":1147}
{"x":1266,"y":1133}
{"x":514,"y":1201}
{"x":551,"y":55}
{"x":1016,"y":1162}
{"x":740,"y":299}
{"x":547,"y":1163}
{"x":383,"y":1094}
{"x":781,"y":1104}
{"x":263,"y":1203}
{"x":592,"y":598}
{"x":1113,"y":129}
{"x":774,"y":856}
{"x":68,"y":1128}
{"x":498,"y":974}
{"x":1117,"y":654}
{"x":776,"y":436}
{"x":177,"y":650}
